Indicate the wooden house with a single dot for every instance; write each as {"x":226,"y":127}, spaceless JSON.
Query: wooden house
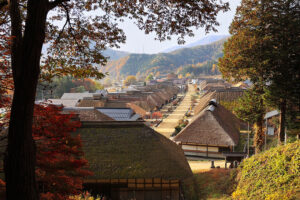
{"x":132,"y":161}
{"x":213,"y":131}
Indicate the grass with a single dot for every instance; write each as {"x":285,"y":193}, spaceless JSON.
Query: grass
{"x":211,"y":184}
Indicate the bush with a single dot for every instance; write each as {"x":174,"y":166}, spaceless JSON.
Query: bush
{"x":272,"y":175}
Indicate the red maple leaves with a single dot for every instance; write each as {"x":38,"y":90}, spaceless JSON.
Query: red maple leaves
{"x":60,"y":164}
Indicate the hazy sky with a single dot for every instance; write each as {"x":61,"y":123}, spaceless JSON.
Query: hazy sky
{"x":138,"y":42}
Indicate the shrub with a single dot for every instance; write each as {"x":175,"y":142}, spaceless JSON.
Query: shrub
{"x":272,"y":175}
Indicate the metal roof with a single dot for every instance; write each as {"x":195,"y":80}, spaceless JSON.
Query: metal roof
{"x":271,"y":114}
{"x":120,"y":114}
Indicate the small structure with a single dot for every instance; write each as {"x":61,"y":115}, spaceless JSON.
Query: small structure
{"x":270,"y":126}
{"x":132,"y":161}
{"x":120,"y":114}
{"x":233,"y":157}
{"x":213,"y":131}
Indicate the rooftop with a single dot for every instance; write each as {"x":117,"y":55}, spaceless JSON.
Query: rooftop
{"x":212,"y":126}
{"x":131,"y":150}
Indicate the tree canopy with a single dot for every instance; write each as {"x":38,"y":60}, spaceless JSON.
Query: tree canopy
{"x":264,"y":48}
{"x":76,"y":32}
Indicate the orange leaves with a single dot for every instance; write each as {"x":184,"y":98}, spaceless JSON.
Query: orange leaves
{"x":157,"y":115}
{"x":60,"y":166}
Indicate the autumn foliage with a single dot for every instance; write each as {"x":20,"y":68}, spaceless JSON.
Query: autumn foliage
{"x":156,"y":115}
{"x":6,"y":82}
{"x":60,"y":163}
{"x":60,"y":166}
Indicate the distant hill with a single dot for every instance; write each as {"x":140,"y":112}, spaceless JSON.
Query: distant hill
{"x":206,"y":40}
{"x":114,"y":54}
{"x":165,"y":62}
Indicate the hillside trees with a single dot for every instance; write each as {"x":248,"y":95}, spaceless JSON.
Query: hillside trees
{"x":31,"y":24}
{"x":130,"y":80}
{"x":149,"y":77}
{"x":264,"y":48}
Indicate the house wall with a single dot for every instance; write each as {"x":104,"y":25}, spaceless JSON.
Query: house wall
{"x":200,"y":148}
{"x":138,"y":189}
{"x":202,"y":151}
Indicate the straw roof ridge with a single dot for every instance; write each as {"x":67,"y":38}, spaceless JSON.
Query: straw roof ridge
{"x":204,"y":100}
{"x":131,"y":150}
{"x":217,"y":127}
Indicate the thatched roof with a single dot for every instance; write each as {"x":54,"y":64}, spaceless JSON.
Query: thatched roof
{"x":137,"y":109}
{"x":131,"y":150}
{"x":90,"y":103}
{"x":88,"y":114}
{"x":204,"y":100}
{"x":218,"y":127}
{"x":145,"y":105}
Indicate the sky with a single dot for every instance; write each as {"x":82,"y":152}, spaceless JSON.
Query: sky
{"x":138,"y":42}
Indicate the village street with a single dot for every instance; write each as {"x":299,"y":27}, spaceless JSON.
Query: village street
{"x":166,"y":128}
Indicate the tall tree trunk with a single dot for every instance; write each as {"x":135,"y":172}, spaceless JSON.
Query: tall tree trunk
{"x":259,"y":133}
{"x":282,"y":120}
{"x":20,"y":158}
{"x":259,"y":136}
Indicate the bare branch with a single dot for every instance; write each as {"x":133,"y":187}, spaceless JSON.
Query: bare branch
{"x":55,"y":3}
{"x":71,"y":28}
{"x":61,"y":31}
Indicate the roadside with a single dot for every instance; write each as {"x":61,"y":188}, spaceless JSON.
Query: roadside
{"x":168,"y":124}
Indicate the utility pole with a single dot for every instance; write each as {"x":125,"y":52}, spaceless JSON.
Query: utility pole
{"x":248,"y":141}
{"x":266,"y":132}
{"x":285,"y":136}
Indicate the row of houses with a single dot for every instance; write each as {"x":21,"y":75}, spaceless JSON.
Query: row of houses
{"x":140,"y":100}
{"x":224,"y":92}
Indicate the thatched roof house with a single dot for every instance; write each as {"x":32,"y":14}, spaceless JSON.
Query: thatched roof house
{"x":129,"y":158}
{"x":204,"y":101}
{"x":212,"y":131}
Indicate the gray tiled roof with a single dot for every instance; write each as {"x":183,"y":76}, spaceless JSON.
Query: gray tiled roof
{"x":120,"y":114}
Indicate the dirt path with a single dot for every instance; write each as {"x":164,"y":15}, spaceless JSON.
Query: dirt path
{"x":166,"y":128}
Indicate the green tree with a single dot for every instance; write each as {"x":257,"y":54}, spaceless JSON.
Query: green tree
{"x":149,"y":77}
{"x":30,"y":24}
{"x":249,"y":108}
{"x":283,"y":92}
{"x":265,"y":47}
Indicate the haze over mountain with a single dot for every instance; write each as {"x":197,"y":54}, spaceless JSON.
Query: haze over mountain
{"x":114,"y":54}
{"x":174,"y":61}
{"x":206,"y":40}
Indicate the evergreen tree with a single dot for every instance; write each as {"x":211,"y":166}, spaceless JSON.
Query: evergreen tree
{"x":264,"y":48}
{"x":250,"y":108}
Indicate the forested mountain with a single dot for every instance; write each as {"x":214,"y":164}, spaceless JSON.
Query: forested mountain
{"x":166,"y":62}
{"x":204,"y":41}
